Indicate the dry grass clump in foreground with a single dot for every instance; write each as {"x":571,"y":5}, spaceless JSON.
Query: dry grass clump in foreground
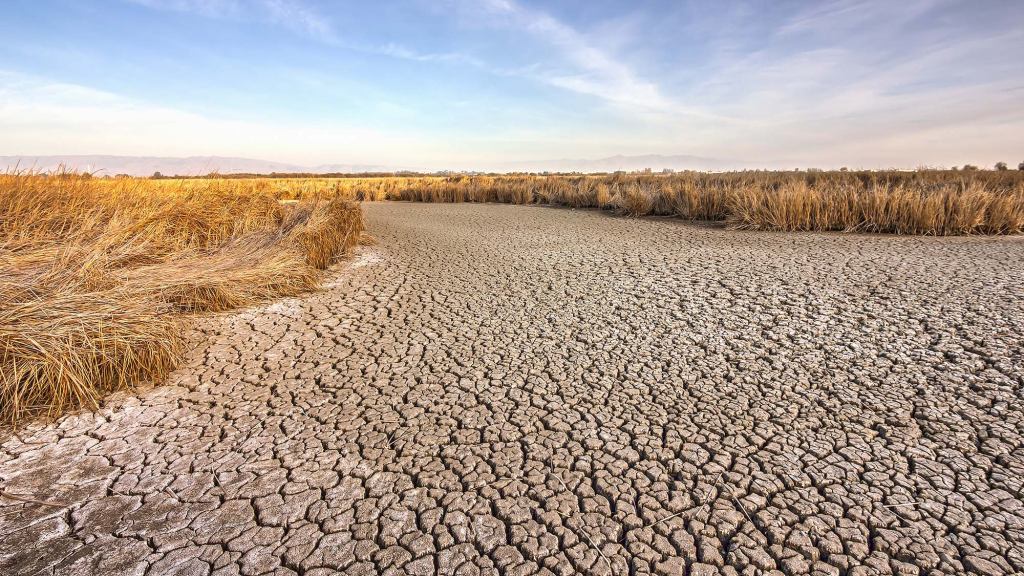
{"x":97,"y":278}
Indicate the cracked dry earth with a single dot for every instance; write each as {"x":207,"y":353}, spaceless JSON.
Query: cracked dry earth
{"x":525,"y":390}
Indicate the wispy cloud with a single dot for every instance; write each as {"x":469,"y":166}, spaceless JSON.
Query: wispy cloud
{"x":208,"y":8}
{"x":299,"y":17}
{"x":291,"y":14}
{"x":857,"y":82}
{"x":396,"y":50}
{"x":589,"y":69}
{"x":882,"y":84}
{"x":837,"y":15}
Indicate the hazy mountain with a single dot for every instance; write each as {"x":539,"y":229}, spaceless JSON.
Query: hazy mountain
{"x":190,"y":166}
{"x":201,"y":165}
{"x":656,"y":162}
{"x":350,"y":168}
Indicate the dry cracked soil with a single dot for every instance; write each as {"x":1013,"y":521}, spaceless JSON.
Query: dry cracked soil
{"x":526,"y":390}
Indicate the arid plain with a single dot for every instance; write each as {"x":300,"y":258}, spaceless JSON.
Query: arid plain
{"x":512,"y":288}
{"x":494,"y":389}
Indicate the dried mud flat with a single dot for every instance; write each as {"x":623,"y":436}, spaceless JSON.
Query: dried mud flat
{"x":523,"y":390}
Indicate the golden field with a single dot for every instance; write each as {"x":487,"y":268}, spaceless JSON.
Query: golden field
{"x":97,"y":277}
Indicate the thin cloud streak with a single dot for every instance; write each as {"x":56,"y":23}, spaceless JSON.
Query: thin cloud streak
{"x":290,"y":14}
{"x":597,"y":73}
{"x":835,"y":15}
{"x":396,"y":50}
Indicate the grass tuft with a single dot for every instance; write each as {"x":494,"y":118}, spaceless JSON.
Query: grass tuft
{"x":97,"y":277}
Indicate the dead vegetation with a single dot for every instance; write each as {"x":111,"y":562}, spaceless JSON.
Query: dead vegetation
{"x":927,"y":202}
{"x":98,"y":277}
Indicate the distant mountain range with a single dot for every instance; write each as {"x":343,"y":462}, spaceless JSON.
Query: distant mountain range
{"x":201,"y":165}
{"x":655,"y":162}
{"x":169,"y":166}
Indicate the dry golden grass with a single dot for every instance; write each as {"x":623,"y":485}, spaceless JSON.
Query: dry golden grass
{"x":956,"y":208}
{"x":931,"y":202}
{"x":927,"y":202}
{"x":97,"y":277}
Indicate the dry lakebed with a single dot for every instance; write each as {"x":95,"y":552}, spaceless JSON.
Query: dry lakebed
{"x":497,"y":389}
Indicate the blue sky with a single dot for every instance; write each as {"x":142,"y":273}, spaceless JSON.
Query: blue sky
{"x":473,"y":84}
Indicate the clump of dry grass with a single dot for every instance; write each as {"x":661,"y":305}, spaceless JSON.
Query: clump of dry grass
{"x":97,"y":277}
{"x":63,"y":349}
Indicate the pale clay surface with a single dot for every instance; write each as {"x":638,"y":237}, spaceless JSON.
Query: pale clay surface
{"x":526,"y":390}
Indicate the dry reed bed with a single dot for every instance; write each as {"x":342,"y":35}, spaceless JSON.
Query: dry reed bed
{"x":98,"y":277}
{"x":922,"y":202}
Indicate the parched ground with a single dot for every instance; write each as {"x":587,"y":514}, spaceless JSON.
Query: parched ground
{"x":524,"y":390}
